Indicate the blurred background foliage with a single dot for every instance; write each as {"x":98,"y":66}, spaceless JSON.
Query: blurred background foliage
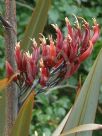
{"x":50,"y":108}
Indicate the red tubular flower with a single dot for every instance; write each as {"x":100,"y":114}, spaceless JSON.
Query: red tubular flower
{"x":96,"y":32}
{"x":44,"y":76}
{"x":29,"y":78}
{"x":18,"y":56}
{"x":36,"y":52}
{"x":59,"y":40}
{"x":31,"y":70}
{"x":48,"y":52}
{"x":77,"y":45}
{"x":24,"y":62}
{"x":86,"y":53}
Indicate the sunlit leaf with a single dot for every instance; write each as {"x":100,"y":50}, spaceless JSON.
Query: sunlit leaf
{"x":81,"y":128}
{"x":22,"y":123}
{"x":37,"y":23}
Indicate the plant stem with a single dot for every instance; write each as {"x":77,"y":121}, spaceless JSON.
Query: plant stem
{"x":10,"y":41}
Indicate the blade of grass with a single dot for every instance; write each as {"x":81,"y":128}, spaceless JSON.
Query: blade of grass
{"x":36,"y":24}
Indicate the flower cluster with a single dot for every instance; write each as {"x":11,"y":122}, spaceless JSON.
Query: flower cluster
{"x":50,"y":63}
{"x":63,"y":57}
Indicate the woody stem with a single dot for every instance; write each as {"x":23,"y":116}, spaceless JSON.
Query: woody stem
{"x":10,"y":41}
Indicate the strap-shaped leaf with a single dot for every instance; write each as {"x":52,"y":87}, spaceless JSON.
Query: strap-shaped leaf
{"x":37,"y":23}
{"x":85,"y":106}
{"x":81,"y":128}
{"x":22,"y":123}
{"x":84,"y":109}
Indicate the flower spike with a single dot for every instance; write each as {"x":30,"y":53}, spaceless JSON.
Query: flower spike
{"x":55,"y":59}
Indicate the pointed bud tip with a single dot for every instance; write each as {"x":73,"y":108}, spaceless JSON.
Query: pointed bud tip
{"x":42,"y":40}
{"x":55,"y":26}
{"x":95,"y":22}
{"x":17,"y":45}
{"x":67,"y":20}
{"x":28,"y":55}
{"x":34,"y":42}
{"x":85,"y":23}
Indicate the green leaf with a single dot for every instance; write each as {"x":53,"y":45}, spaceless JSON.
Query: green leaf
{"x":22,"y":123}
{"x":84,"y":109}
{"x":81,"y":128}
{"x":37,"y":23}
{"x":85,"y":106}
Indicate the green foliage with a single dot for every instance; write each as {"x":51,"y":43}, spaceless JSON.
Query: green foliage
{"x":48,"y":112}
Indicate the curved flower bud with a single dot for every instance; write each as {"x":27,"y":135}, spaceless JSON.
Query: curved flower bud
{"x":69,"y":27}
{"x":24,"y":62}
{"x":86,"y":53}
{"x":44,"y":76}
{"x":59,"y":40}
{"x":49,"y":53}
{"x":36,"y":52}
{"x":9,"y":69}
{"x":18,"y":56}
{"x":96,"y":32}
